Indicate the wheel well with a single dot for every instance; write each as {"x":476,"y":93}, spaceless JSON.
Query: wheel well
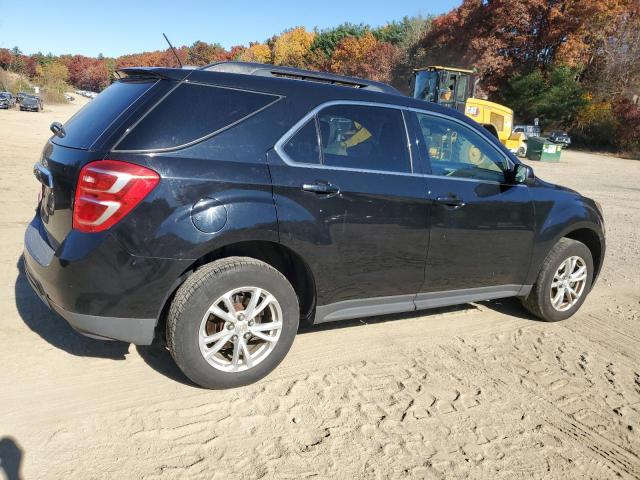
{"x":592,"y":241}
{"x":283,"y":259}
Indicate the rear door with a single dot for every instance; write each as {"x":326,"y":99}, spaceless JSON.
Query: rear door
{"x":482,"y":227}
{"x":349,"y":202}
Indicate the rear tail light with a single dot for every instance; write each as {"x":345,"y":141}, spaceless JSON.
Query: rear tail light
{"x":107,"y":190}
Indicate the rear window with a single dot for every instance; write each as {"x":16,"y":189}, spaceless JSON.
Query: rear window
{"x":84,"y":128}
{"x":190,"y":113}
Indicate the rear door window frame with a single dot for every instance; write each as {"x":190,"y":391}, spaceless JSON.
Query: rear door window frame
{"x":313,"y":115}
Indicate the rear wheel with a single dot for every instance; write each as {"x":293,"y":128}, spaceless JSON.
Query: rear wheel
{"x":563,"y":282}
{"x":232,"y":322}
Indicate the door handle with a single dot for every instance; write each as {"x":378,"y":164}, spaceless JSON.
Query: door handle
{"x":321,"y":188}
{"x":450,"y":201}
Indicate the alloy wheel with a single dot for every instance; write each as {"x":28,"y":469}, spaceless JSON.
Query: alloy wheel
{"x":240,"y":329}
{"x":568,"y":284}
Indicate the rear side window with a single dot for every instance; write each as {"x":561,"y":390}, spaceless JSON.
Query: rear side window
{"x":84,"y":128}
{"x":364,"y":137}
{"x":303,"y":146}
{"x":192,"y":112}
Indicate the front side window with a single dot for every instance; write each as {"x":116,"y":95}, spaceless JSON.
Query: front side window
{"x":364,"y":137}
{"x":457,"y":151}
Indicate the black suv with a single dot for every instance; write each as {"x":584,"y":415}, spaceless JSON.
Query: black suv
{"x":7,"y":100}
{"x":560,"y":137}
{"x":31,"y":103}
{"x":219,"y":207}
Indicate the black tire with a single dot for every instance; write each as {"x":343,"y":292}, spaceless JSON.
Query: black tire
{"x":521,"y":152}
{"x":196,"y":295}
{"x":538,"y":302}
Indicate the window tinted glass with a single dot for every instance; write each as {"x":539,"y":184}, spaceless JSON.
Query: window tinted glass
{"x":358,"y":136}
{"x":92,"y":120}
{"x":190,"y":112}
{"x":457,"y":151}
{"x":304,"y":147}
{"x":461,"y":88}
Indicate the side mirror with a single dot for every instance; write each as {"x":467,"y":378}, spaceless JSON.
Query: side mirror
{"x":523,"y":174}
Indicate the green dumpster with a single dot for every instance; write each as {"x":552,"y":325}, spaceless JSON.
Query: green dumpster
{"x":544,"y":150}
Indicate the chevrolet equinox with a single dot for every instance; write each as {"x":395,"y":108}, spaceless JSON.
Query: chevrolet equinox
{"x":219,"y":207}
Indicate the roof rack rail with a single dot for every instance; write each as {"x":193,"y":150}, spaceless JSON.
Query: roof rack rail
{"x":265,"y":70}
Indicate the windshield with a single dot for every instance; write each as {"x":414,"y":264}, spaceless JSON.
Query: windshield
{"x":4,"y":95}
{"x":29,"y":100}
{"x":426,"y":86}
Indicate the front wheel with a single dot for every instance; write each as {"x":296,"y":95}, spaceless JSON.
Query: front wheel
{"x":563,"y":282}
{"x":232,"y":322}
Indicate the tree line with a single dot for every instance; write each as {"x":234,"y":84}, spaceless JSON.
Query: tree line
{"x":574,"y":64}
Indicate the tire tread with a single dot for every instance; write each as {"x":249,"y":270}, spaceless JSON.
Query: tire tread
{"x":197,"y":280}
{"x":534,"y":301}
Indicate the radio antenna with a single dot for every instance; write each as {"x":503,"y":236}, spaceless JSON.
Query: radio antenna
{"x":173,"y":50}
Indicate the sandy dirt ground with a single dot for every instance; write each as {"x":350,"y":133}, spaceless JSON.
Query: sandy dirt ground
{"x":476,"y":391}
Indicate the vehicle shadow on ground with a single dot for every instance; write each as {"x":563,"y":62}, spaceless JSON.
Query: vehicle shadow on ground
{"x":510,"y":306}
{"x":157,"y":356}
{"x":10,"y":459}
{"x":52,"y":328}
{"x":57,"y":332}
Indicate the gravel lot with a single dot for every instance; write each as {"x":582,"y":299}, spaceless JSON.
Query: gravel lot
{"x":476,"y":391}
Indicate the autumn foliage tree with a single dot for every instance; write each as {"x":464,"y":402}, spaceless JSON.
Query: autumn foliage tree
{"x":500,"y":37}
{"x":87,"y":73}
{"x":574,"y":63}
{"x":365,"y":57}
{"x":53,"y":78}
{"x":327,"y":40}
{"x":202,"y":53}
{"x":291,"y":47}
{"x":5,"y":58}
{"x":256,"y":52}
{"x":157,"y":58}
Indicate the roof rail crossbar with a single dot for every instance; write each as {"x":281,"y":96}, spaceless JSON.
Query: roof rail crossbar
{"x":261,"y":69}
{"x":316,"y":78}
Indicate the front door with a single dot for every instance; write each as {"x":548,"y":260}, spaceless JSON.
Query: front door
{"x":349,"y":204}
{"x":482,"y":227}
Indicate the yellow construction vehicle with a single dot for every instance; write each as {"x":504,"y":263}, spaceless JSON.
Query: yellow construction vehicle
{"x":455,"y":88}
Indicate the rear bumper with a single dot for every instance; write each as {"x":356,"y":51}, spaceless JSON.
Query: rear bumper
{"x":139,"y":331}
{"x":97,"y":287}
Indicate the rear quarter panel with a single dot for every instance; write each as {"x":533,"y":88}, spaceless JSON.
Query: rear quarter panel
{"x":230,"y":168}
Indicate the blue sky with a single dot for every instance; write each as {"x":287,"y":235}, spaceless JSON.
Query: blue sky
{"x":117,"y":27}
